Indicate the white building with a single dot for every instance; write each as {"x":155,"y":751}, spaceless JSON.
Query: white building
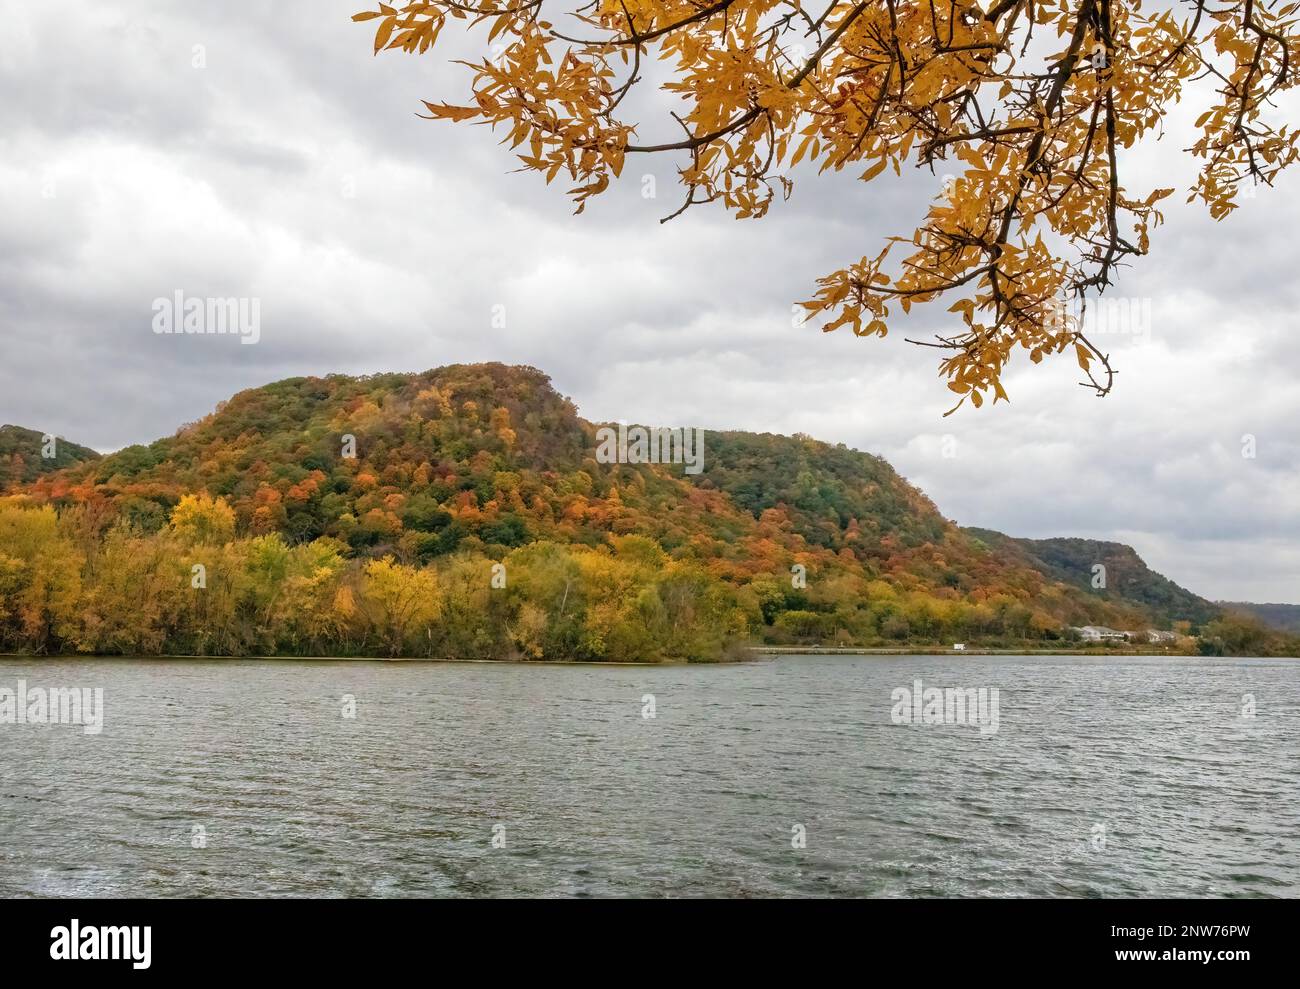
{"x":1100,"y":633}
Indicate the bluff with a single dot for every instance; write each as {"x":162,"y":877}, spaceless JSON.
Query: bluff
{"x":776,"y":538}
{"x":1124,"y":577}
{"x":26,"y":454}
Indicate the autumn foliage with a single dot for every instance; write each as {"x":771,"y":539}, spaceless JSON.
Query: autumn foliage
{"x":463,"y":469}
{"x":1028,"y":106}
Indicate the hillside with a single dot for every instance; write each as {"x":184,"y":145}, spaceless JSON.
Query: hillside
{"x":23,"y":459}
{"x":387,"y":500}
{"x":1283,"y":617}
{"x":1128,"y":580}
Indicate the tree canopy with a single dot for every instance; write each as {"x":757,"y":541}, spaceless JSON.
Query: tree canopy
{"x":462,"y":513}
{"x":1032,"y":103}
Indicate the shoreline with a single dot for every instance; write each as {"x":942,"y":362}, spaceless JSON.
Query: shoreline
{"x":754,"y":654}
{"x":351,"y":659}
{"x":941,"y":651}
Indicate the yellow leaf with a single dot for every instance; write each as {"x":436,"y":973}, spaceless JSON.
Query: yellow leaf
{"x":875,"y":170}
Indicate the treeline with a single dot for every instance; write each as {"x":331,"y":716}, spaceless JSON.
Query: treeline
{"x":79,"y":582}
{"x":1236,"y":634}
{"x":196,"y":588}
{"x":845,"y":610}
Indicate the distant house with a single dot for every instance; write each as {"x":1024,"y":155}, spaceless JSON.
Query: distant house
{"x":959,"y":646}
{"x":1100,"y":633}
{"x":1155,"y":635}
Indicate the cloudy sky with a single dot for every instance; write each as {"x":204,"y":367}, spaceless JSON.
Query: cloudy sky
{"x":260,"y":150}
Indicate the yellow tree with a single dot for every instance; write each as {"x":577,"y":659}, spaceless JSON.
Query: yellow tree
{"x":40,"y":579}
{"x":198,"y":519}
{"x":399,"y":602}
{"x":132,"y":593}
{"x":1036,"y":99}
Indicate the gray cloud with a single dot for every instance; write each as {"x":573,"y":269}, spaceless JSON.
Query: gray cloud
{"x":291,"y":167}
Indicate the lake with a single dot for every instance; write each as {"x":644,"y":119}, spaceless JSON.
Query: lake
{"x":791,"y":776}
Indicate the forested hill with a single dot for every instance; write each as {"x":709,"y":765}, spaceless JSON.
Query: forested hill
{"x":1283,"y":617}
{"x":25,"y":455}
{"x":1127,"y":578}
{"x":356,"y":484}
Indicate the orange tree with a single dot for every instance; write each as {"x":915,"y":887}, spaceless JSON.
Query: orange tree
{"x":1036,"y":99}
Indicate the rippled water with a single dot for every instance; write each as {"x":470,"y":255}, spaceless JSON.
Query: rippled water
{"x":1106,"y":777}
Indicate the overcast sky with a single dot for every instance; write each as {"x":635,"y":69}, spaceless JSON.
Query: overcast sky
{"x":289,"y":165}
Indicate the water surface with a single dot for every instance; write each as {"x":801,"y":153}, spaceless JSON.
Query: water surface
{"x":1114,"y":776}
